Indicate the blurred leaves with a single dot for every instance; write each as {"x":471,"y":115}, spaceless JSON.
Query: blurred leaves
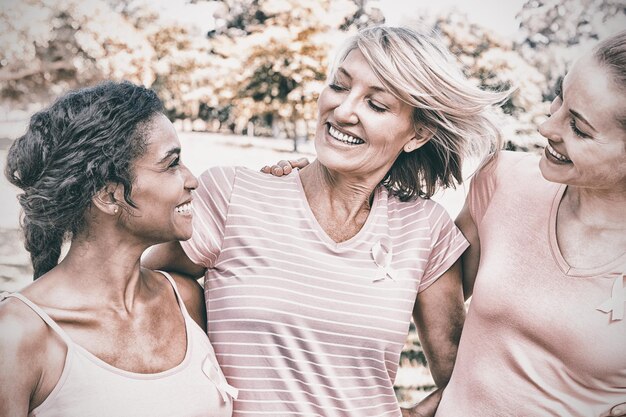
{"x":234,"y":64}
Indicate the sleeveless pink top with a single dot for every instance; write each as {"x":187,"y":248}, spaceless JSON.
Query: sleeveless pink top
{"x":90,"y":387}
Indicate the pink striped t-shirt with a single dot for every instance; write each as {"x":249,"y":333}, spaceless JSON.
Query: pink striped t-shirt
{"x":300,"y":324}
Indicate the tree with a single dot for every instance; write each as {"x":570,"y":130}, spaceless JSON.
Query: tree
{"x":50,"y":46}
{"x":494,"y":64}
{"x":554,"y":32}
{"x":282,"y":49}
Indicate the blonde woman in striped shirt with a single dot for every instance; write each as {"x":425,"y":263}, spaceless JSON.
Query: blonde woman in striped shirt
{"x":311,"y":279}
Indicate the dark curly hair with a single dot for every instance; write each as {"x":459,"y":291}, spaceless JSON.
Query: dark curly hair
{"x":86,"y":139}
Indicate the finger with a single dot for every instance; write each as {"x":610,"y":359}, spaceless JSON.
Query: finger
{"x":277,"y":171}
{"x":285,"y":165}
{"x":299,"y":163}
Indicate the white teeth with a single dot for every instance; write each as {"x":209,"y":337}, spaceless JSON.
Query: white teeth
{"x":343,"y":137}
{"x":557,"y":155}
{"x":183,"y":208}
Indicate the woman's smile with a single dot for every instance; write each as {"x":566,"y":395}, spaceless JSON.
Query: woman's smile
{"x":343,"y":137}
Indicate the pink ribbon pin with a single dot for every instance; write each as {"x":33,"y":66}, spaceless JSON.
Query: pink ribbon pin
{"x":382,"y":255}
{"x":615,"y":304}
{"x":212,"y":371}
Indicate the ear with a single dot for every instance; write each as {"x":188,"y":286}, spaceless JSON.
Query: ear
{"x":108,"y":198}
{"x":422,"y":136}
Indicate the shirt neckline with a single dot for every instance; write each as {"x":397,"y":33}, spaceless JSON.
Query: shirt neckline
{"x":563,"y":265}
{"x":324,"y":237}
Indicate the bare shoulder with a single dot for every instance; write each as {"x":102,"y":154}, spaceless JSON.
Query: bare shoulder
{"x":20,"y":326}
{"x":192,"y":294}
{"x":23,"y":347}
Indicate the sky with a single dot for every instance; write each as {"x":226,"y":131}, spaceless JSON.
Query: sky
{"x":498,"y":15}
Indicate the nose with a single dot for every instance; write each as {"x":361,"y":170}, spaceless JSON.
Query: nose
{"x":191,"y":182}
{"x":549,"y":129}
{"x":345,"y":112}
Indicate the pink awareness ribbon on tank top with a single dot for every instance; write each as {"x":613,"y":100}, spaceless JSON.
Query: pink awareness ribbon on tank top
{"x":615,"y":304}
{"x":212,"y":370}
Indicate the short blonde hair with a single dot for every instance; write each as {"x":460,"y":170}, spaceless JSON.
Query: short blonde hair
{"x":419,"y":70}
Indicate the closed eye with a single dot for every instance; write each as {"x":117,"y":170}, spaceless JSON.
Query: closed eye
{"x":577,"y":132}
{"x":337,"y":87}
{"x":376,"y":107}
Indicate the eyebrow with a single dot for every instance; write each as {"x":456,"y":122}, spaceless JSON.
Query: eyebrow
{"x":559,"y":91}
{"x":169,"y":153}
{"x":580,"y":117}
{"x":371,"y":87}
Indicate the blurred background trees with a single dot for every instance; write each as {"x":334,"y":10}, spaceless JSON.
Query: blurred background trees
{"x":257,"y":66}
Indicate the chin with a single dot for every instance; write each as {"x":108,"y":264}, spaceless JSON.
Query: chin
{"x":184,"y":235}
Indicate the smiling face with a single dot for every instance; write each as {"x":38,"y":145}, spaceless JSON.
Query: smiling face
{"x":586,"y":143}
{"x":362,"y":128}
{"x":162,"y":188}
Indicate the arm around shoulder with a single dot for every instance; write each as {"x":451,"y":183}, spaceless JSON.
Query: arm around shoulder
{"x":192,"y":294}
{"x":171,"y":257}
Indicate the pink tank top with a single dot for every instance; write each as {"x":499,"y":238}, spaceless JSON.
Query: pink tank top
{"x":88,"y":386}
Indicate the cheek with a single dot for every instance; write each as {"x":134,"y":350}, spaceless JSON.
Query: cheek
{"x":323,"y":101}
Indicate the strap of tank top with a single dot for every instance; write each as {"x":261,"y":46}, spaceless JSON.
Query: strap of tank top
{"x":44,"y":316}
{"x":181,"y":303}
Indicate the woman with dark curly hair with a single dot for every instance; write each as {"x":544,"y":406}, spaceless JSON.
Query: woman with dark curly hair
{"x":97,"y":334}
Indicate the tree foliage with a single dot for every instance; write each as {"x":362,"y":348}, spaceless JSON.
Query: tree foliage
{"x":494,"y":64}
{"x":50,"y":46}
{"x":282,"y":49}
{"x":554,"y":32}
{"x":233,"y":62}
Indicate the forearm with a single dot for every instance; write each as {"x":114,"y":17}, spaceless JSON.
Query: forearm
{"x":171,"y":257}
{"x":439,"y":315}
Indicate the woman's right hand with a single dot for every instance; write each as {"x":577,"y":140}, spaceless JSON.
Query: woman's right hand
{"x":284,"y":167}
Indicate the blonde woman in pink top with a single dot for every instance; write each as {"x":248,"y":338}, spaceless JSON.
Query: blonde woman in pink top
{"x":546,"y":331}
{"x":96,"y":334}
{"x":311,"y":279}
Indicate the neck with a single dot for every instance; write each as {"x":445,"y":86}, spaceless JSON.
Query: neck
{"x":351,"y":195}
{"x":105,"y":269}
{"x":597,"y":208}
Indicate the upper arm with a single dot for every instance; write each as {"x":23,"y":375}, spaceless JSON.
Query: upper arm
{"x":471,"y":257}
{"x":21,"y":348}
{"x":439,"y":313}
{"x":171,"y":257}
{"x":211,"y":204}
{"x":482,"y":188}
{"x":192,"y":294}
